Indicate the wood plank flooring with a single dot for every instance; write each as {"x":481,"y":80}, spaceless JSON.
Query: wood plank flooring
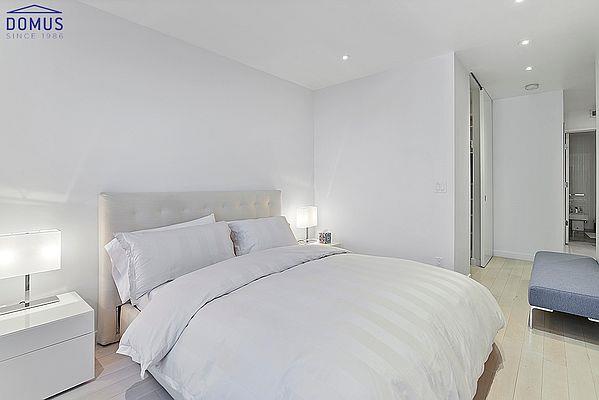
{"x":557,"y":360}
{"x":117,"y":378}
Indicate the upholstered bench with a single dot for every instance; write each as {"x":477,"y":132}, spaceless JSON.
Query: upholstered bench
{"x":564,"y":282}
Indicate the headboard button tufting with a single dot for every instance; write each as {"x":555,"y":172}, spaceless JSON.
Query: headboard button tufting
{"x":126,"y":212}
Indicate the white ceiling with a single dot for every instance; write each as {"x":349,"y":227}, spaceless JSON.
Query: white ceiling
{"x":303,"y":41}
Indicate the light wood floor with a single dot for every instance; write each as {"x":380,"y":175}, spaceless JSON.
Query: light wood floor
{"x":558,"y":359}
{"x":117,"y":378}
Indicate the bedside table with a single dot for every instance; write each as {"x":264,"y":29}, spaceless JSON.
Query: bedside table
{"x":47,"y":349}
{"x":336,"y":244}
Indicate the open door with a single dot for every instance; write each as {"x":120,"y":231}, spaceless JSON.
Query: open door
{"x":567,"y":187}
{"x":475,"y":192}
{"x":486,"y":173}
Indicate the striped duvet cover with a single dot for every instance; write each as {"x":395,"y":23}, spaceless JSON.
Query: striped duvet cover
{"x":315,"y":322}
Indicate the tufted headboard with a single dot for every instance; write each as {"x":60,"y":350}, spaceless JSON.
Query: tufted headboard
{"x":126,"y":212}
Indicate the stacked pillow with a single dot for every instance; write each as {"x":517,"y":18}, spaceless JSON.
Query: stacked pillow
{"x":143,"y":260}
{"x":118,"y":255}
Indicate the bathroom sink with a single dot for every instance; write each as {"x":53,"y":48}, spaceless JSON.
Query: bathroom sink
{"x":579,"y":217}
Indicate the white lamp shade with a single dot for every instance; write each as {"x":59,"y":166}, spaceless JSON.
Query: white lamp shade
{"x":307,"y":217}
{"x":29,"y":253}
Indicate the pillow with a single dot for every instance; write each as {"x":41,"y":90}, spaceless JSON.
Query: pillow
{"x":157,"y":257}
{"x":251,"y":235}
{"x":118,"y":257}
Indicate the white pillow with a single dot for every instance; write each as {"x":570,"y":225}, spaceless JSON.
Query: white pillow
{"x":157,"y":257}
{"x":118,"y":257}
{"x":251,"y":235}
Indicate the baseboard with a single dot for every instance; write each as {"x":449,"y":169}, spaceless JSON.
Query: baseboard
{"x":511,"y":254}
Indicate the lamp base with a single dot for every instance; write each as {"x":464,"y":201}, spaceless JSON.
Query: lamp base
{"x":25,"y":306}
{"x":307,"y":241}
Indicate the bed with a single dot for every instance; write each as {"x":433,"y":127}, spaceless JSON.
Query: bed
{"x":296,"y":322}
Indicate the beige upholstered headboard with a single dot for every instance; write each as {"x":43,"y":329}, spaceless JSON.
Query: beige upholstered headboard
{"x":125,"y":212}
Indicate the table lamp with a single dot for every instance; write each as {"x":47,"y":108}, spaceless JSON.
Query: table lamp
{"x":25,"y":254}
{"x":306,"y":218}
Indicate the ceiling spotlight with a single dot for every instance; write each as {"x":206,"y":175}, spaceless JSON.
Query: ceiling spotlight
{"x":528,"y":68}
{"x":519,"y":1}
{"x":532,"y":86}
{"x":525,"y":42}
{"x":345,"y":57}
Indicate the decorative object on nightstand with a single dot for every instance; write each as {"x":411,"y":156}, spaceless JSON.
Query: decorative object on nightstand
{"x":307,"y":217}
{"x":25,"y":254}
{"x":325,"y":237}
{"x":46,"y":350}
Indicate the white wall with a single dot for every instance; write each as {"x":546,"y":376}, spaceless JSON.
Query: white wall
{"x":117,"y":107}
{"x":528,"y":174}
{"x":382,"y":143}
{"x":579,"y":120}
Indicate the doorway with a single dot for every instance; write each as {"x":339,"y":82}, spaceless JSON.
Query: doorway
{"x":481,"y":174}
{"x":580,"y":191}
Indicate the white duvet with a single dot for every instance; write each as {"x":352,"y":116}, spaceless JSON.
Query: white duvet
{"x":310,"y":322}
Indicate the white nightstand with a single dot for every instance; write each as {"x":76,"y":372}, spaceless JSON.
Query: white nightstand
{"x":336,"y":244}
{"x":46,"y":350}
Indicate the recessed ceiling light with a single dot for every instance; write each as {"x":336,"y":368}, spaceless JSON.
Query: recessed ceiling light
{"x":529,"y":68}
{"x":532,"y":86}
{"x":519,"y":1}
{"x":525,"y":42}
{"x":345,"y":57}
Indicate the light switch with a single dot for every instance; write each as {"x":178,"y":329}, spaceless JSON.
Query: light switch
{"x":440,"y":187}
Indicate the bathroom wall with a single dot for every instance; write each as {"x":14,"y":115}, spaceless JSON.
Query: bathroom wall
{"x":582,"y":174}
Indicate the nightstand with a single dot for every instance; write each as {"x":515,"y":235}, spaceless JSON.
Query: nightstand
{"x":47,"y":349}
{"x":336,"y":244}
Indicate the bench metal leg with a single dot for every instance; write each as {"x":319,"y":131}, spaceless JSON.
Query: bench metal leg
{"x":530,"y":314}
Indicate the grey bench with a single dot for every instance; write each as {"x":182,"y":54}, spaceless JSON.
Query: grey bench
{"x":564,"y":282}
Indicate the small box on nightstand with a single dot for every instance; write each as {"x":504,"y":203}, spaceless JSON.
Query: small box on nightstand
{"x":47,"y":349}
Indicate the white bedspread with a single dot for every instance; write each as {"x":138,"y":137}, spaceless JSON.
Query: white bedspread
{"x":307,"y":322}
